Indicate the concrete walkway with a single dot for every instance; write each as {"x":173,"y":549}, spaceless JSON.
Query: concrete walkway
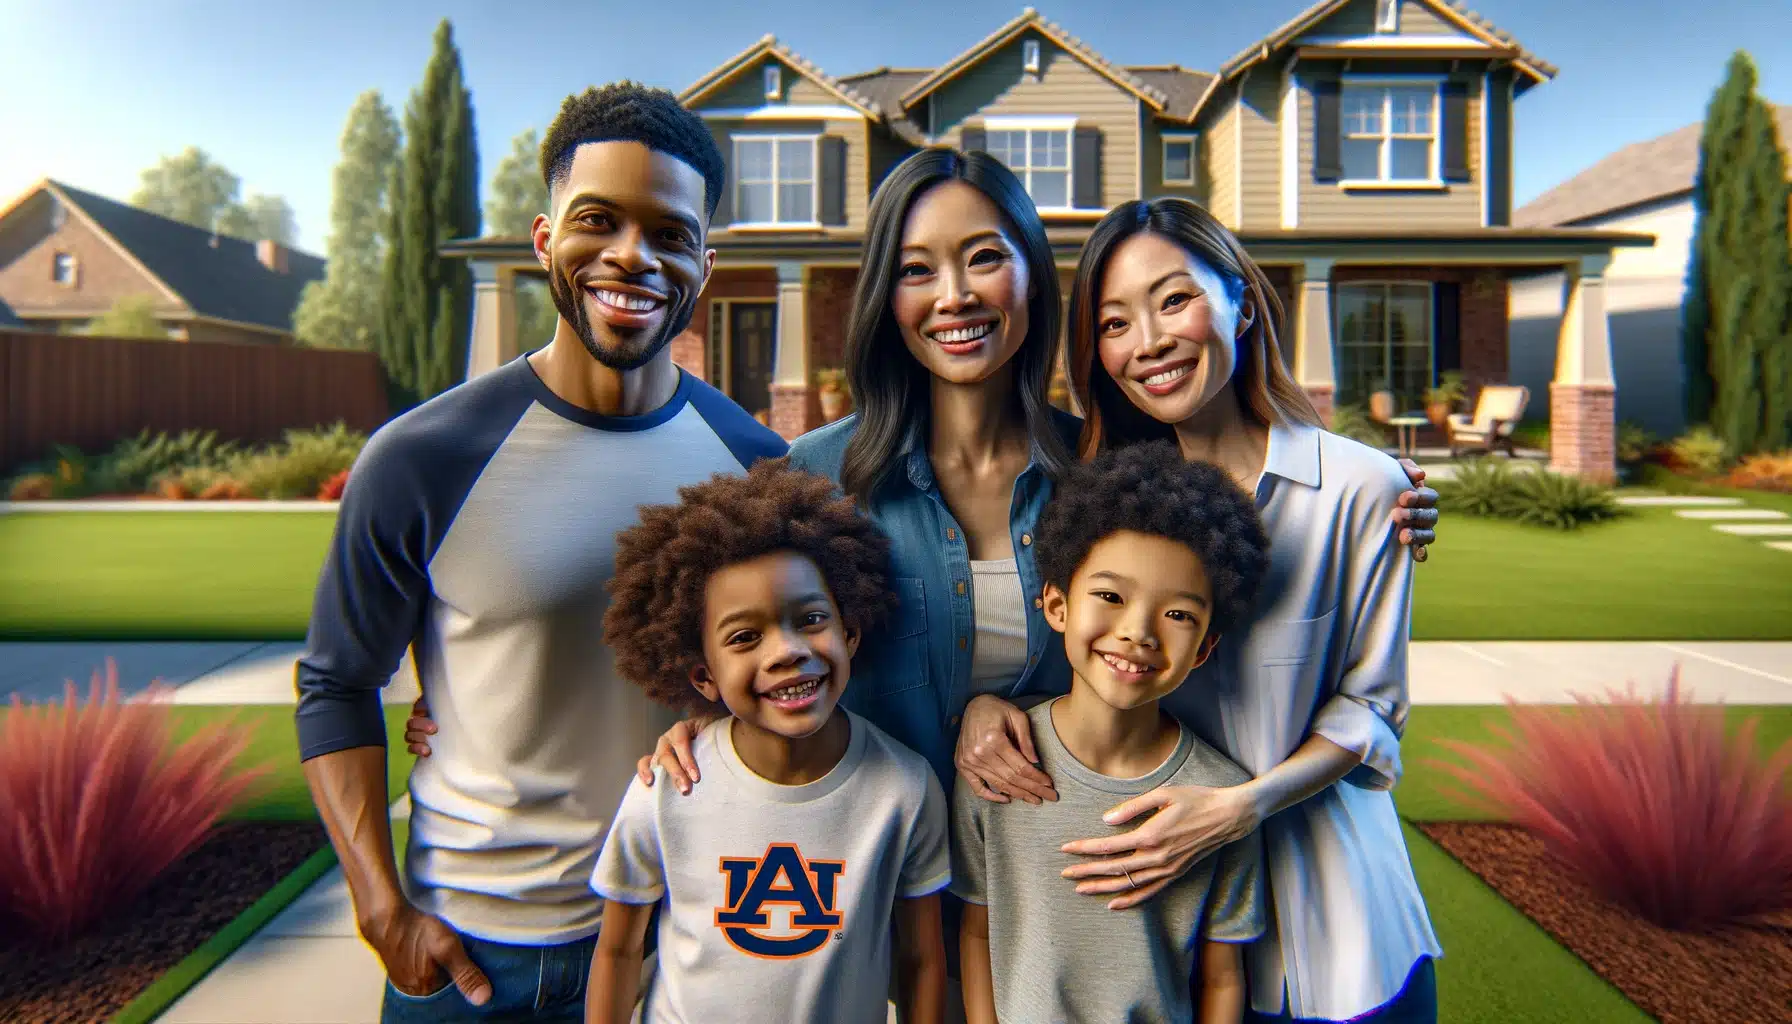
{"x":273,"y":979}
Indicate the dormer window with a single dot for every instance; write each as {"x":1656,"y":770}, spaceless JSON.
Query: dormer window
{"x":1387,"y":16}
{"x":66,"y":270}
{"x":774,"y":82}
{"x":1029,"y":56}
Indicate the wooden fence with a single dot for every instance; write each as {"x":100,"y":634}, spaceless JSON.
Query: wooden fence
{"x":93,"y":392}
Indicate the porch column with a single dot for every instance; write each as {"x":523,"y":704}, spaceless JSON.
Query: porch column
{"x":1313,"y":369}
{"x":493,"y":340}
{"x":791,"y":415}
{"x":1583,"y":396}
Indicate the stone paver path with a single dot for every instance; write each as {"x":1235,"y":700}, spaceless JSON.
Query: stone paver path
{"x":1726,"y":515}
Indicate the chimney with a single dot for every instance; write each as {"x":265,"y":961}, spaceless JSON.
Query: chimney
{"x":272,"y":255}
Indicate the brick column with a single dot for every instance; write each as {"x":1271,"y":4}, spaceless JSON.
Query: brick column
{"x":795,"y":409}
{"x":1313,"y":369}
{"x":492,"y":341}
{"x":1583,"y":396}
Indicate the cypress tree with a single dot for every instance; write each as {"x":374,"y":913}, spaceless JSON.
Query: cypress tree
{"x":434,"y":198}
{"x":1722,"y":116}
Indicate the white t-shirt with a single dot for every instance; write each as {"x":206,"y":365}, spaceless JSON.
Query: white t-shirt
{"x":778,"y":898}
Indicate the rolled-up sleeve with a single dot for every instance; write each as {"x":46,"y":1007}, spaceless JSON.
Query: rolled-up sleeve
{"x":1367,"y":714}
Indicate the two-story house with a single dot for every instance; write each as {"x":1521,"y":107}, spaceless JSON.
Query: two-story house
{"x":1362,"y":152}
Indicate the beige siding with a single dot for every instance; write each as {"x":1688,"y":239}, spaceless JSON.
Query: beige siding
{"x":1219,"y":147}
{"x":1260,"y":151}
{"x":1455,"y":205}
{"x":1065,"y":86}
{"x":1358,"y":19}
{"x":1151,"y":133}
{"x":857,"y":152}
{"x":746,"y":89}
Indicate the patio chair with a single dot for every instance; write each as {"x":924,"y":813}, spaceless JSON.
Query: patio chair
{"x":1498,"y":410}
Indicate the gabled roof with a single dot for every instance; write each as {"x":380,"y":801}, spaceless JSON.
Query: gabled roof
{"x":1031,"y":19}
{"x":216,"y":277}
{"x":1642,"y":172}
{"x":1471,"y":23}
{"x":1182,"y":88}
{"x":769,"y":45}
{"x":884,"y":87}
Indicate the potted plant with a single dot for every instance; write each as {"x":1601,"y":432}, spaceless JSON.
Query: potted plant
{"x":836,"y":400}
{"x":1442,"y":400}
{"x":1381,"y":402}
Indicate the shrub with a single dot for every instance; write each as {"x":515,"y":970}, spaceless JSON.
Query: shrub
{"x":223,"y":489}
{"x":1763,"y":472}
{"x":300,"y":465}
{"x":333,"y":488}
{"x":1635,"y":444}
{"x":1560,"y":500}
{"x":139,"y":463}
{"x":1531,"y":434}
{"x":1698,"y":451}
{"x":1353,"y":421}
{"x":1483,"y":488}
{"x":32,"y":487}
{"x":98,"y":799}
{"x":1650,"y":803}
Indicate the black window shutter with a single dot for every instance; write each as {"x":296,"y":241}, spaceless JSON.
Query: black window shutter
{"x":973,"y":140}
{"x":1085,"y":172}
{"x":724,"y":215}
{"x":1328,"y":156}
{"x":831,"y":156}
{"x":1446,"y":334}
{"x":1455,"y":131}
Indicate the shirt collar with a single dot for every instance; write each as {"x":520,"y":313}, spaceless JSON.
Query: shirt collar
{"x":1294,"y":452}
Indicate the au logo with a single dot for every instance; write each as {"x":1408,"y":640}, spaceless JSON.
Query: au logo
{"x":801,"y":894}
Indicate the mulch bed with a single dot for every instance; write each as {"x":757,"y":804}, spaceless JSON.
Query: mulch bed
{"x":93,"y":977}
{"x":1739,"y":975}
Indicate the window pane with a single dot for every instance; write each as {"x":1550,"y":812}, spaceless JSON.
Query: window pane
{"x":1050,"y":189}
{"x":1409,"y":342}
{"x":1412,"y":109}
{"x":1009,"y":147}
{"x":755,"y":203}
{"x":796,"y":203}
{"x":1361,"y":159}
{"x":755,"y":160}
{"x":1178,"y":158}
{"x":1409,"y":159}
{"x":1362,"y":111}
{"x":796,"y":160}
{"x":1051,"y":149}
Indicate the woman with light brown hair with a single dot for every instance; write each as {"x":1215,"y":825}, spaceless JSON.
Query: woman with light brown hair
{"x":1173,"y":335}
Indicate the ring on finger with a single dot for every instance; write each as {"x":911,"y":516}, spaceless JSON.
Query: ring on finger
{"x":1129,"y":881}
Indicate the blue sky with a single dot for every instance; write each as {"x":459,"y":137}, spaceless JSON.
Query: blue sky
{"x":97,"y":90}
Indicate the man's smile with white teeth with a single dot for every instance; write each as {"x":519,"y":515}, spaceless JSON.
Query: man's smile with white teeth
{"x":627,"y":300}
{"x":960,"y":335}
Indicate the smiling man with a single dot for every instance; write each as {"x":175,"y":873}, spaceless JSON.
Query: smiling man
{"x":478,"y":531}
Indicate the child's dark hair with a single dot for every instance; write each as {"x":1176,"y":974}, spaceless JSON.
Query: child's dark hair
{"x":1150,"y":488}
{"x":632,"y":112}
{"x":663,"y":565}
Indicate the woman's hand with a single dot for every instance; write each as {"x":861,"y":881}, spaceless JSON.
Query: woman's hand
{"x":673,"y":753}
{"x":418,"y":729}
{"x":995,"y":753}
{"x":1417,"y":515}
{"x":1190,"y":822}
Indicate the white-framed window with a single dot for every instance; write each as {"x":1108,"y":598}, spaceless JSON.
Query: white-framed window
{"x":775,"y":180}
{"x":1029,"y":56}
{"x":66,"y":269}
{"x":1390,"y":131}
{"x":1037,"y":150}
{"x":1384,"y":341}
{"x":1179,"y":159}
{"x":1387,"y":16}
{"x":774,"y":81}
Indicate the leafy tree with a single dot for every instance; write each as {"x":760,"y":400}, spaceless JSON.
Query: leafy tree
{"x":518,"y":190}
{"x":133,"y":316}
{"x":194,"y":189}
{"x":434,"y":198}
{"x":343,"y":310}
{"x":259,"y":217}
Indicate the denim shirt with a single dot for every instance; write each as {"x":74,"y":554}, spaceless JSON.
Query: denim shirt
{"x":912,"y":675}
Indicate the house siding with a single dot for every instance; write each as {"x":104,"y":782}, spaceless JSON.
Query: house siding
{"x":1358,"y":19}
{"x":1065,"y":86}
{"x":1325,"y":205}
{"x":1260,"y":141}
{"x":855,"y":132}
{"x":28,"y":260}
{"x":1151,"y":141}
{"x":1219,"y":148}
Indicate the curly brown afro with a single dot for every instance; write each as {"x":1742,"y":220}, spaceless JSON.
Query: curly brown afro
{"x":663,"y":566}
{"x":1150,"y":488}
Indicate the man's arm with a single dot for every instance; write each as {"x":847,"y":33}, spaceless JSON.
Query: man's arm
{"x":616,"y":963}
{"x":1221,"y":999}
{"x":974,"y":972}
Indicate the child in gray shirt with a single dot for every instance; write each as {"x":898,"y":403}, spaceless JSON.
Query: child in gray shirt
{"x":1147,"y":559}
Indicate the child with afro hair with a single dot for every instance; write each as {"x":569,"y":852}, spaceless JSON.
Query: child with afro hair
{"x":1147,"y":559}
{"x":777,"y":880}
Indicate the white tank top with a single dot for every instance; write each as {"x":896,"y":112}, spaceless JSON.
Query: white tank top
{"x":999,"y":651}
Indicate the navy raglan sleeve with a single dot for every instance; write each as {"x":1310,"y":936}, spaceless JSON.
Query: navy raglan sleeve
{"x":748,"y":439}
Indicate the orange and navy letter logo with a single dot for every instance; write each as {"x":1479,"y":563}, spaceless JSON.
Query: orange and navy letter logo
{"x":780,"y":906}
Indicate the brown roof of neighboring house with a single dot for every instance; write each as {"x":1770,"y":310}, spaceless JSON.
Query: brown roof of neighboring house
{"x":1642,"y":172}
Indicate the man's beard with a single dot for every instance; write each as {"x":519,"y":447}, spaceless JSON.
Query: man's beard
{"x":630,"y":355}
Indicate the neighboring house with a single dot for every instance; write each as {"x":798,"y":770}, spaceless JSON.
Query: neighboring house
{"x":66,"y":255}
{"x":1645,"y":187}
{"x":1362,"y":152}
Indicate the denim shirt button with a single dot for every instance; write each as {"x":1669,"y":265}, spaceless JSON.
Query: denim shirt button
{"x":951,"y":534}
{"x":1039,"y":602}
{"x":1026,"y":540}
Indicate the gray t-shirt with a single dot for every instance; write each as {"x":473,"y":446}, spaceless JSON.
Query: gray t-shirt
{"x":1059,"y":957}
{"x":777,"y":900}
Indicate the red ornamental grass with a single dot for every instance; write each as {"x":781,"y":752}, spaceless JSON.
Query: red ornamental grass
{"x":1650,"y":802}
{"x":97,"y":799}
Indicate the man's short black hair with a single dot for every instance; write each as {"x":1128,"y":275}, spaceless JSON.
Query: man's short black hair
{"x":632,"y":112}
{"x":1150,"y":488}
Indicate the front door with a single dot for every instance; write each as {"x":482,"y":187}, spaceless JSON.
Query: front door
{"x":752,"y":341}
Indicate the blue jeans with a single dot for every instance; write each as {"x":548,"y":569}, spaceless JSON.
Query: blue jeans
{"x":1416,"y":1003}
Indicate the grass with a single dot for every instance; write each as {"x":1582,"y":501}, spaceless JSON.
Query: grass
{"x":283,"y":796}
